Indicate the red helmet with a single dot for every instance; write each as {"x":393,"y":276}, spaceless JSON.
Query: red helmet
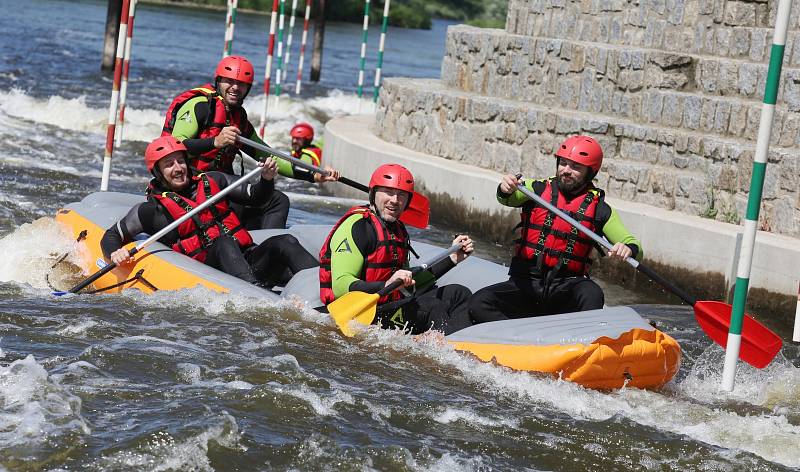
{"x":303,"y":130}
{"x":160,"y":148}
{"x":583,"y":150}
{"x":236,"y":68}
{"x":392,"y":176}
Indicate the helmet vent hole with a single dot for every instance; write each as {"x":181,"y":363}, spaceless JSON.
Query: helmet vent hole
{"x":582,"y":153}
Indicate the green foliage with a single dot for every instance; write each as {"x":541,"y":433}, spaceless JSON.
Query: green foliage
{"x":404,"y":13}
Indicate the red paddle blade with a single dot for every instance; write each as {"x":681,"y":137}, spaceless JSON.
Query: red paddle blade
{"x":418,"y":212}
{"x":759,"y":344}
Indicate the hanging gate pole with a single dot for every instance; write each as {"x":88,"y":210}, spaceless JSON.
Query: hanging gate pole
{"x":268,"y":69}
{"x":126,"y":67}
{"x":279,"y":70}
{"x":289,"y":37}
{"x":302,"y":48}
{"x":754,"y":198}
{"x":112,"y":107}
{"x":362,"y":62}
{"x":384,"y":27}
{"x":230,"y":24}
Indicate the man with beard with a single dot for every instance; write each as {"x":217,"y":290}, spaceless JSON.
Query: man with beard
{"x":214,"y":236}
{"x":549,"y":271}
{"x":368,"y":249}
{"x":209,"y":118}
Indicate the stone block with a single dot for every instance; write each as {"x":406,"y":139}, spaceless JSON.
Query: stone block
{"x":675,"y":9}
{"x":748,"y":79}
{"x":692,"y":112}
{"x":740,"y":42}
{"x":673,"y":111}
{"x":740,"y":14}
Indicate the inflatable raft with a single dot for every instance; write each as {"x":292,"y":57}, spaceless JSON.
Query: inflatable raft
{"x":603,"y":349}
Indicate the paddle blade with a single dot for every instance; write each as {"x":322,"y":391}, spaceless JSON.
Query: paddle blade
{"x":418,"y":212}
{"x":759,"y":344}
{"x":358,"y":306}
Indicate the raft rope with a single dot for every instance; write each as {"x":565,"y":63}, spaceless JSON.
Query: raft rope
{"x":135,"y":278}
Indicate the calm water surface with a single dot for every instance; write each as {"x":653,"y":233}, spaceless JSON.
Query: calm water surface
{"x":201,"y":381}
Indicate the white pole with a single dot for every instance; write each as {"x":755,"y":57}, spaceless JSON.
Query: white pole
{"x":289,"y":40}
{"x":796,"y":337}
{"x":302,"y":49}
{"x":112,"y":107}
{"x":754,"y":196}
{"x":126,"y":67}
{"x":362,"y":62}
{"x":273,"y":21}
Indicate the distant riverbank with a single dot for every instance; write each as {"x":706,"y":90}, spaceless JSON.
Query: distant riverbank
{"x":415,"y":14}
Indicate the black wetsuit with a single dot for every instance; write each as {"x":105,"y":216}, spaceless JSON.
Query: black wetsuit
{"x":273,"y":262}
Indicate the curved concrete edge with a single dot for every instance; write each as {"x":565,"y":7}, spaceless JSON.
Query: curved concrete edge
{"x":675,"y":239}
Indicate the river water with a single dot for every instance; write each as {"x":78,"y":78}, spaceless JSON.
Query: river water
{"x":196,"y":380}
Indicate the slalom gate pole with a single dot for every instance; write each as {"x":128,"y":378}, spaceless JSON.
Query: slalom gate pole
{"x":278,"y":70}
{"x":112,"y":107}
{"x":384,"y":26}
{"x":302,"y":48}
{"x":289,"y":37}
{"x":754,"y":197}
{"x":362,"y":62}
{"x":273,"y":20}
{"x":796,"y":335}
{"x":126,"y":67}
{"x":230,"y":24}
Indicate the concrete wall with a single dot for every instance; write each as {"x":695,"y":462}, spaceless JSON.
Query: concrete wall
{"x":671,"y":88}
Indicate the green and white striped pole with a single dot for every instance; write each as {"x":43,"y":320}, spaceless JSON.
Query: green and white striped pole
{"x":381,"y":45}
{"x":279,"y":65}
{"x":363,"y":54}
{"x":230,"y":23}
{"x":754,"y":199}
{"x":290,"y":34}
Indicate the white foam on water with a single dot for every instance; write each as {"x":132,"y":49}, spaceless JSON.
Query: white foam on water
{"x":77,"y":329}
{"x":776,"y":386}
{"x":323,"y":406}
{"x":454,"y":415}
{"x":35,"y":407}
{"x":145,"y":124}
{"x":769,"y":435}
{"x":163,"y":452}
{"x":189,"y":373}
{"x":31,"y":250}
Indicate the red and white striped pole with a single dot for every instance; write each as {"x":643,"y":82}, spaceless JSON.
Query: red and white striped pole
{"x":286,"y":59}
{"x":112,"y":108}
{"x":126,"y":67}
{"x":302,"y":49}
{"x":230,"y":23}
{"x":268,"y":70}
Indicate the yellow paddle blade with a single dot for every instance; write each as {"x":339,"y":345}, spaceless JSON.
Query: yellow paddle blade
{"x":358,"y":306}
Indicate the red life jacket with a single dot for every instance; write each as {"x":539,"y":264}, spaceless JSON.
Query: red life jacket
{"x":552,"y":242}
{"x":218,"y":118}
{"x":390,"y":255}
{"x":197,"y":233}
{"x":313,"y":152}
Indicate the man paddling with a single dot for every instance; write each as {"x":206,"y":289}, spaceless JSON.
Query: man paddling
{"x":208,"y":119}
{"x":549,"y":271}
{"x":368,"y":249}
{"x":215,"y":236}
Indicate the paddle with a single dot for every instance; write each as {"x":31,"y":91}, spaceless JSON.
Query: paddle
{"x":361,"y":306}
{"x":77,"y":288}
{"x":417,"y":214}
{"x":759,"y":344}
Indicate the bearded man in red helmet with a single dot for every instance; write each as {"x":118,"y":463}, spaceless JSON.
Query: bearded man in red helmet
{"x":368,"y":249}
{"x":207,"y":120}
{"x":549,"y":271}
{"x":215,"y":236}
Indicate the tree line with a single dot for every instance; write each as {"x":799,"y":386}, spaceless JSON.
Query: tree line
{"x":404,"y":13}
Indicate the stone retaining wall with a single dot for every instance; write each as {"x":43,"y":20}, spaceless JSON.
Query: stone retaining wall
{"x":672,"y":90}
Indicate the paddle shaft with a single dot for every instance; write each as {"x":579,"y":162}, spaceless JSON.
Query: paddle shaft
{"x":603,"y":242}
{"x":169,"y":227}
{"x":415,"y":270}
